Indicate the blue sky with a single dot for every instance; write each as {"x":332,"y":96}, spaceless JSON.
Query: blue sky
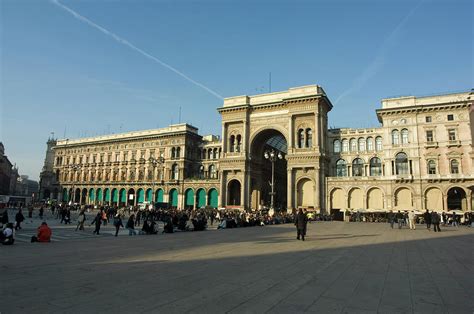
{"x":59,"y":73}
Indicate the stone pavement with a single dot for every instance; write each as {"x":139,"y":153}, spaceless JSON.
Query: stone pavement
{"x":340,"y":268}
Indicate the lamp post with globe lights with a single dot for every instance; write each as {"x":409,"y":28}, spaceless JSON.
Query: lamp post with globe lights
{"x":272,"y":156}
{"x":155,"y":162}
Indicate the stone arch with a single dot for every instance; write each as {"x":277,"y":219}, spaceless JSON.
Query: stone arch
{"x":338,"y":198}
{"x":200,"y":197}
{"x":234,"y":190}
{"x":375,"y":198}
{"x":433,"y":199}
{"x":277,"y":128}
{"x":212,"y":197}
{"x":305,"y":193}
{"x":403,"y":198}
{"x":356,"y":198}
{"x":173,"y":197}
{"x":189,"y":198}
{"x":457,"y":198}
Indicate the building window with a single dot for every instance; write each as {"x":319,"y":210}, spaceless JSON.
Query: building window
{"x":345,"y":145}
{"x":401,"y":164}
{"x":337,"y":146}
{"x":404,"y":136}
{"x":431,"y":167}
{"x":231,"y":143}
{"x":429,"y":136}
{"x":370,"y":144}
{"x":309,"y":138}
{"x":175,"y":172}
{"x":452,"y":134}
{"x":357,"y":167}
{"x":212,"y":172}
{"x":428,"y":119}
{"x":361,"y":144}
{"x":239,"y":143}
{"x":178,"y":152}
{"x":300,"y":138}
{"x":353,"y":144}
{"x":341,"y":169}
{"x":395,"y":137}
{"x":375,"y":167}
{"x":450,"y":117}
{"x":454,"y":166}
{"x":378,"y":143}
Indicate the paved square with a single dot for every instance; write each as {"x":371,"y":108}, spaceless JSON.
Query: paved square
{"x":341,"y":268}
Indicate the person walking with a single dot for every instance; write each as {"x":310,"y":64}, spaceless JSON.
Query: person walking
{"x":80,"y":220}
{"x":117,"y":223}
{"x":391,"y":218}
{"x":97,"y":221}
{"x":41,"y":211}
{"x":131,"y":225}
{"x":411,"y":219}
{"x":400,"y":220}
{"x":435,"y":221}
{"x":455,"y":220}
{"x":301,"y":221}
{"x":427,"y":218}
{"x":19,"y":219}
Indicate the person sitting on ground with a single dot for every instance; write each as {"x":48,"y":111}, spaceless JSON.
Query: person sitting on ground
{"x":44,"y":234}
{"x":6,"y":236}
{"x":168,"y":228}
{"x":149,"y":227}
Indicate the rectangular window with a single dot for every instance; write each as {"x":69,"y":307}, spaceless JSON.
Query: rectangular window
{"x":428,"y":119}
{"x":117,"y":157}
{"x":452,"y":134}
{"x":450,"y":117}
{"x":429,"y":136}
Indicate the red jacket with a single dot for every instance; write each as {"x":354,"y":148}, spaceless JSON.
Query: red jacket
{"x":44,"y":234}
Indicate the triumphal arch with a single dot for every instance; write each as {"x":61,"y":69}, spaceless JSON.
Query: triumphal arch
{"x":292,"y":124}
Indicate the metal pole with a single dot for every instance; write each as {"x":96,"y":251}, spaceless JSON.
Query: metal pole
{"x":273,"y":181}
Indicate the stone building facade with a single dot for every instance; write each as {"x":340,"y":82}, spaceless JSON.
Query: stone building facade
{"x":420,"y":157}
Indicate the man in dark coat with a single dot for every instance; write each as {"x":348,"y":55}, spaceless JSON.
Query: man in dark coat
{"x":427,"y":217}
{"x":435,"y":221}
{"x":301,"y":220}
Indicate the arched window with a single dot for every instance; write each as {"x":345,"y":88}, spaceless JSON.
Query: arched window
{"x":361,"y":144}
{"x":404,"y":136}
{"x":212,"y":172}
{"x":370,"y":144}
{"x":173,"y":152}
{"x":209,"y":153}
{"x":353,"y":144}
{"x":345,"y":145}
{"x":375,"y":167}
{"x":431,"y":167}
{"x":300,"y":138}
{"x":215,"y":154}
{"x":309,"y":138}
{"x":175,"y":172}
{"x":231,"y":143}
{"x":401,"y":164}
{"x":341,"y":168}
{"x":357,"y":167}
{"x":454,"y":166}
{"x":395,"y":137}
{"x":239,"y":143}
{"x":337,"y":146}
{"x":178,"y":152}
{"x":378,"y":143}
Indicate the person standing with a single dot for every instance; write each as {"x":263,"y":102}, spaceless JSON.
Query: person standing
{"x":411,"y":219}
{"x":435,"y":221}
{"x":41,"y":211}
{"x":19,"y":219}
{"x":400,"y":220}
{"x":80,"y":220}
{"x":427,"y":218}
{"x":455,"y":220}
{"x":301,"y":221}
{"x":117,"y":223}
{"x":97,"y":221}
{"x":391,"y":218}
{"x":131,"y":225}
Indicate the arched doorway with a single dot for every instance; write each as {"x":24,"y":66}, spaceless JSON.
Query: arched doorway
{"x":140,"y":196}
{"x":200,"y":198}
{"x":269,"y":140}
{"x":189,"y":199}
{"x":65,"y":195}
{"x":212,"y":196}
{"x":159,"y":196}
{"x":233,"y":194}
{"x":56,"y":194}
{"x":457,"y":198}
{"x":149,"y":195}
{"x":107,"y":195}
{"x":375,"y":199}
{"x":83,"y":196}
{"x":46,"y":194}
{"x":98,"y":196}
{"x":356,"y":199}
{"x":131,"y":197}
{"x":305,"y":193}
{"x":337,"y":199}
{"x":91,"y":196}
{"x":173,"y":198}
{"x":403,"y":199}
{"x":122,"y":197}
{"x":433,"y":199}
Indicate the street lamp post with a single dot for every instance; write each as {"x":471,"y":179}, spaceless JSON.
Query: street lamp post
{"x":155,"y":162}
{"x":75,"y":167}
{"x":272,"y":156}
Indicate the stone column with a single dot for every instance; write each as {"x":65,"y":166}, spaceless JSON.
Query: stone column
{"x":289,"y":193}
{"x":445,"y":202}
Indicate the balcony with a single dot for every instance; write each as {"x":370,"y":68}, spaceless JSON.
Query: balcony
{"x":431,"y":144}
{"x":454,"y":143}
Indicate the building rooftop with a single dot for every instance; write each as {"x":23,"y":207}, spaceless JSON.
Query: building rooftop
{"x":174,"y":128}
{"x":294,"y":92}
{"x":410,"y":101}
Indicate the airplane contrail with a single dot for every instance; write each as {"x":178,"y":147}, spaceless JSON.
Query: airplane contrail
{"x":130,"y":45}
